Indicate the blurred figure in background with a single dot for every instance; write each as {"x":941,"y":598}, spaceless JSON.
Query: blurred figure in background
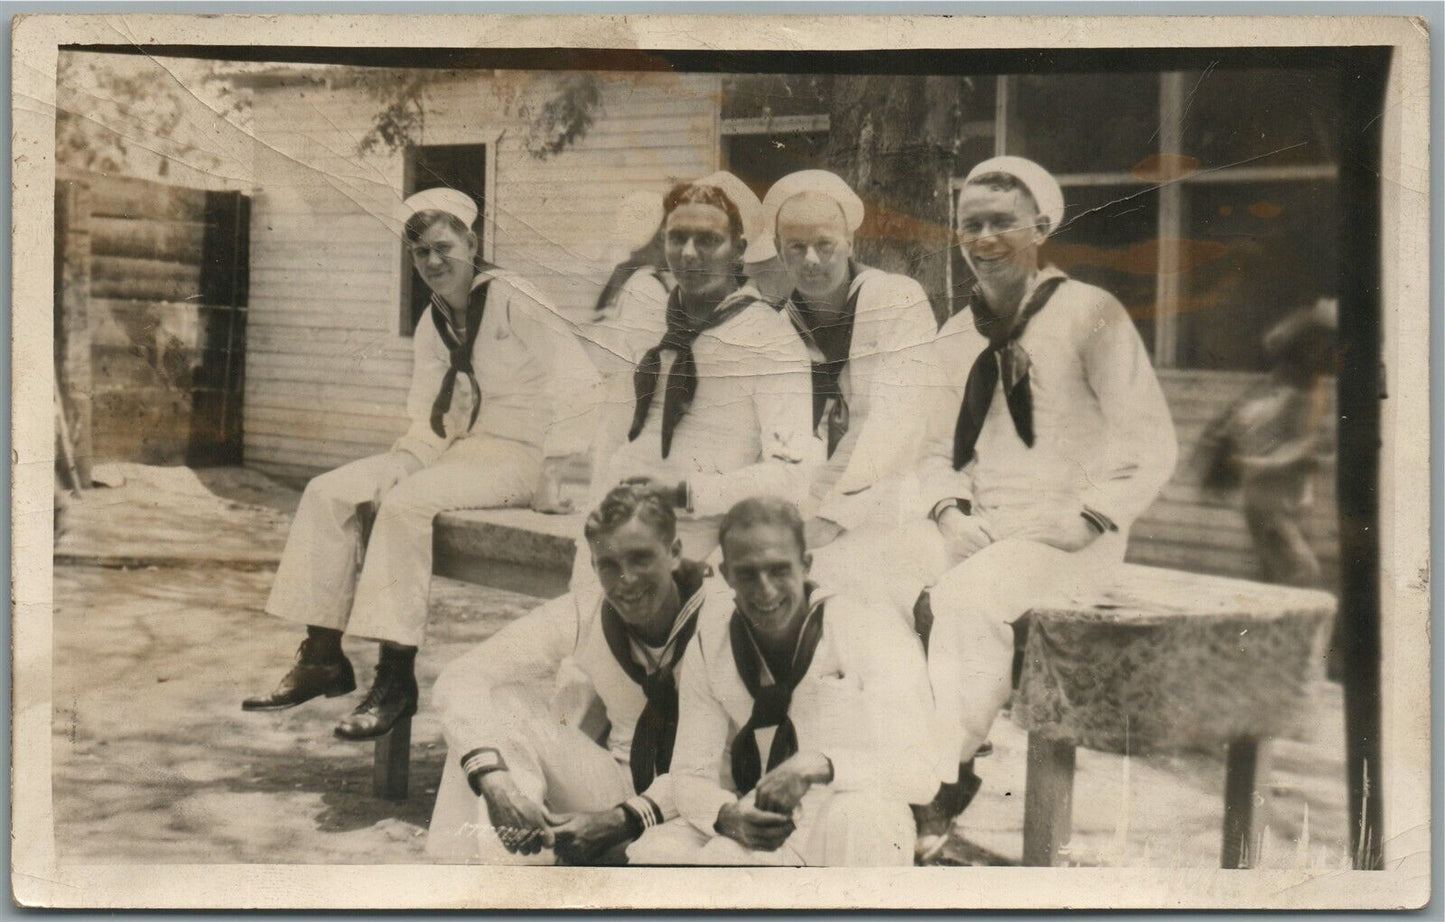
{"x":1266,"y":443}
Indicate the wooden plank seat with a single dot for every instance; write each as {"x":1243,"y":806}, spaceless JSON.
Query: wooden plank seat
{"x":1166,"y":660}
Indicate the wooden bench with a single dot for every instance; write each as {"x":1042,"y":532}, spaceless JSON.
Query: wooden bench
{"x":1165,"y":660}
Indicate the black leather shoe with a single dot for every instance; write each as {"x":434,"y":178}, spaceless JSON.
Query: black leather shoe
{"x":393,"y":696}
{"x":307,"y":679}
{"x":936,"y":819}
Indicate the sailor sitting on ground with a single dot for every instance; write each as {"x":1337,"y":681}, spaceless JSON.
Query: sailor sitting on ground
{"x":804,"y":720}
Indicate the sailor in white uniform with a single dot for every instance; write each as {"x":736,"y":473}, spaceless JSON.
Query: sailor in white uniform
{"x":867,"y":332}
{"x":804,"y":724}
{"x":718,"y":403}
{"x":560,"y":728}
{"x":1047,"y":435}
{"x":490,"y":353}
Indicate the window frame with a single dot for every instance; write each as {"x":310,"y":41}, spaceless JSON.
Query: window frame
{"x":1173,"y":102}
{"x":486,"y":225}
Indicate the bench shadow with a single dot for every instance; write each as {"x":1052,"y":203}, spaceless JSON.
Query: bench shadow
{"x":348,"y":803}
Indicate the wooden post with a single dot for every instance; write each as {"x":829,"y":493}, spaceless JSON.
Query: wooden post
{"x":1048,"y":800}
{"x":391,"y":764}
{"x":1246,"y":801}
{"x":391,"y":760}
{"x":72,"y":317}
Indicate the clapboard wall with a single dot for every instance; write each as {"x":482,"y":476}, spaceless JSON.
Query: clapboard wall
{"x":327,"y":366}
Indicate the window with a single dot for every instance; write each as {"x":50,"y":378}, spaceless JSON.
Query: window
{"x":1205,"y":201}
{"x":773,"y":125}
{"x":456,"y":166}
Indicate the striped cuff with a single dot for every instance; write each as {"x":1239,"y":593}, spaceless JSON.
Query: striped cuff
{"x":642,"y":814}
{"x":480,"y":762}
{"x":1101,"y":523}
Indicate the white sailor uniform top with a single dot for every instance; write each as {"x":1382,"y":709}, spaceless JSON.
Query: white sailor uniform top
{"x":561,"y":642}
{"x":748,"y":429}
{"x":864,"y":702}
{"x":524,"y":362}
{"x":1103,"y":437}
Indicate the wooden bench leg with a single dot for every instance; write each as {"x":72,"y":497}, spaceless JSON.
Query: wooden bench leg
{"x":391,"y":765}
{"x":1048,"y":800}
{"x":1246,"y":801}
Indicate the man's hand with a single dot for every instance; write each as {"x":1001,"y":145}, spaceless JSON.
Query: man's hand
{"x":674,"y":493}
{"x":547,"y":496}
{"x":1065,"y":530}
{"x":782,"y":789}
{"x":584,"y":838}
{"x":402,"y":465}
{"x":760,"y":830}
{"x":964,"y":535}
{"x":521,"y":823}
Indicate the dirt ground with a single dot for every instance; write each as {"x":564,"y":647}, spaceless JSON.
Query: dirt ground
{"x":159,"y":634}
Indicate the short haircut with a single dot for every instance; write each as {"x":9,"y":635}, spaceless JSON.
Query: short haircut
{"x":763,"y":510}
{"x":423,"y":221}
{"x":626,"y":502}
{"x":699,"y":194}
{"x":1005,"y":182}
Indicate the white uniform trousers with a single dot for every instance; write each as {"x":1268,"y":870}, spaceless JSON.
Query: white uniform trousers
{"x":322,"y":579}
{"x":974,"y":602}
{"x":553,"y":763}
{"x":838,"y":829}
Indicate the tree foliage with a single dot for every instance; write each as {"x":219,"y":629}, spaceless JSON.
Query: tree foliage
{"x":557,"y":109}
{"x":140,"y":115}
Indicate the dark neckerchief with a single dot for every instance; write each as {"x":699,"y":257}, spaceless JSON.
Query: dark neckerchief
{"x":681,"y":384}
{"x":459,"y":349}
{"x":828,"y":347}
{"x":1004,"y":354}
{"x":770,"y":702}
{"x":657,"y":726}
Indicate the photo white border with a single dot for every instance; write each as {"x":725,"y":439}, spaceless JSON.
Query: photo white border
{"x":1405,"y":478}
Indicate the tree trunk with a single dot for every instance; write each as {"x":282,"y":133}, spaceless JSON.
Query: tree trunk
{"x":892,"y":138}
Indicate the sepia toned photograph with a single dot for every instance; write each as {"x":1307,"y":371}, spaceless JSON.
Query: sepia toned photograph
{"x":569,"y":462}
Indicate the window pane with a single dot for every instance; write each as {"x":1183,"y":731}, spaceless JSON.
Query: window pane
{"x":1267,"y":117}
{"x":1253,"y":253}
{"x":1085,"y":123}
{"x":762,"y":159}
{"x":1108,"y":239}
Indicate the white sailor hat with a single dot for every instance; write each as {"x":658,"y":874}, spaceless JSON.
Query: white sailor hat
{"x":819,"y":181}
{"x":749,"y":209}
{"x":457,"y":204}
{"x":638,"y":215}
{"x":1039,"y":181}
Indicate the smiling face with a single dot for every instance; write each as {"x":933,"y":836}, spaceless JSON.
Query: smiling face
{"x":700,"y":248}
{"x":445,"y":258}
{"x":814,"y":244}
{"x":999,"y":233}
{"x":634,"y":565}
{"x":768,"y":571}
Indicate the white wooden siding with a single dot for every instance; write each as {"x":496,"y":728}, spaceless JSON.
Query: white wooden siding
{"x":327,"y":371}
